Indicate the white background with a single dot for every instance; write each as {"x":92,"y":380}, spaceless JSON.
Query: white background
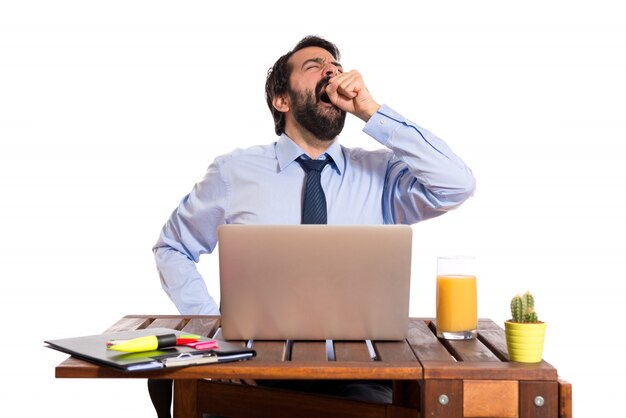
{"x":110,"y":111}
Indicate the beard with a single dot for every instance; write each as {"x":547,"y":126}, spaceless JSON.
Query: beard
{"x":325,"y":123}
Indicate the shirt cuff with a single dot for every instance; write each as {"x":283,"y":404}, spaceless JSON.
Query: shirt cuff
{"x":383,"y":123}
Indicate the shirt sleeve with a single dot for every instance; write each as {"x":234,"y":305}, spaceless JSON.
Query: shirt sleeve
{"x":424,"y":177}
{"x":190,"y":232}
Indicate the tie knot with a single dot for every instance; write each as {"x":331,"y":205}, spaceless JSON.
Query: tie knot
{"x":315,"y":165}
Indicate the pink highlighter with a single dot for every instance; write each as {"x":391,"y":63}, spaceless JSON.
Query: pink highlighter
{"x":203,"y":345}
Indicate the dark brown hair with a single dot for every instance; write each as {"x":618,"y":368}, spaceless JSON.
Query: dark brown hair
{"x":277,"y":81}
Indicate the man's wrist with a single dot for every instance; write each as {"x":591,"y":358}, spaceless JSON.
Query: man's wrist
{"x":382,"y":125}
{"x":369,"y":111}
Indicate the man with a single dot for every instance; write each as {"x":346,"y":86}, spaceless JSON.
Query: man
{"x":309,"y":94}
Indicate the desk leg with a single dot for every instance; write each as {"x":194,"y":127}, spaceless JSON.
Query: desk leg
{"x":565,"y":399}
{"x":538,"y":399}
{"x":442,"y":398}
{"x":186,"y":398}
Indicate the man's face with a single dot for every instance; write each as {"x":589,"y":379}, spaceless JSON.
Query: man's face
{"x":312,"y":67}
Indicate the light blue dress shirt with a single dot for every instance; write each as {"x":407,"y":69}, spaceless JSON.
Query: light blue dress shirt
{"x":416,"y":177}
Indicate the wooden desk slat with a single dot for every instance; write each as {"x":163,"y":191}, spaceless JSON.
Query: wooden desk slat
{"x":205,"y":327}
{"x":493,"y":336}
{"x":425,"y":344}
{"x":173,"y":323}
{"x":470,"y":350}
{"x":308,"y":351}
{"x":467,"y":350}
{"x":488,"y":325}
{"x":270,"y":351}
{"x":394,"y":351}
{"x":351,"y":351}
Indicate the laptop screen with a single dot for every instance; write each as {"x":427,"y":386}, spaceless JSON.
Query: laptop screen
{"x":315,"y":282}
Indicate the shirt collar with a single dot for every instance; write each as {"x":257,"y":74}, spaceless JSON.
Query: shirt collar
{"x":288,"y":151}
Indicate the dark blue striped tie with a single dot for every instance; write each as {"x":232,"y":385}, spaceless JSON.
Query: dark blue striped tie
{"x":314,"y":201}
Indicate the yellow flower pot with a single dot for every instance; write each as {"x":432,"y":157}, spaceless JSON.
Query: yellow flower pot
{"x":524,"y":341}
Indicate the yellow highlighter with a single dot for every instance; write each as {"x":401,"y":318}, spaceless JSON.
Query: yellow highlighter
{"x":147,"y":343}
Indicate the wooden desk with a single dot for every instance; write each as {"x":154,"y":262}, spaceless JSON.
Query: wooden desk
{"x":432,"y":377}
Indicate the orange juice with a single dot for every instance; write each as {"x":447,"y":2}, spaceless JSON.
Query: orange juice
{"x":456,"y":303}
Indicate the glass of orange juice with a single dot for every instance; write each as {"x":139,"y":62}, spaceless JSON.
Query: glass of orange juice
{"x":457,"y":314}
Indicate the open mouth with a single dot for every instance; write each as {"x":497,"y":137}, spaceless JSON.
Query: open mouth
{"x":322,"y":96}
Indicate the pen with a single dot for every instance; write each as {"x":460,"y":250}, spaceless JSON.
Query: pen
{"x":150,"y":343}
{"x":187,"y":359}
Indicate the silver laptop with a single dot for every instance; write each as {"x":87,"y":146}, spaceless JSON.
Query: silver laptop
{"x":315,"y":282}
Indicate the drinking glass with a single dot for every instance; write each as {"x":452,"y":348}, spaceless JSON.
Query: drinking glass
{"x":457,"y":315}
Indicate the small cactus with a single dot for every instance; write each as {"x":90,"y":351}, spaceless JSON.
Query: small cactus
{"x":523,"y":308}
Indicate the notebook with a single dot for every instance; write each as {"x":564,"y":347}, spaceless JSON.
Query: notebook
{"x":92,"y":348}
{"x":315,"y":282}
